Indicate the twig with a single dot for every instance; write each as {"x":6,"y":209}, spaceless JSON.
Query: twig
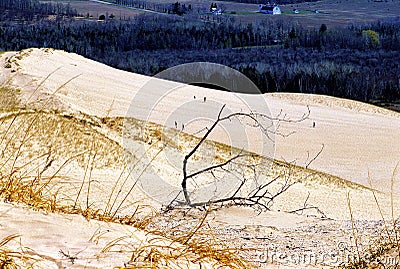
{"x":316,"y":156}
{"x":68,"y":256}
{"x":307,"y":207}
{"x":354,"y":228}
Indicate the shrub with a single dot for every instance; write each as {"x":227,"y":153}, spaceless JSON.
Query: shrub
{"x":370,"y":39}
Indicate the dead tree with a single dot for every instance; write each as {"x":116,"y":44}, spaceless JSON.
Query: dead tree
{"x":260,"y":195}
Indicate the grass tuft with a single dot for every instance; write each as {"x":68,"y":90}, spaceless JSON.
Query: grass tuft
{"x":381,"y":252}
{"x":39,"y":151}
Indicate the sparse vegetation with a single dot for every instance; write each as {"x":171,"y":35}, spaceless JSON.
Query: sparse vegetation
{"x":38,"y":149}
{"x":264,"y":193}
{"x":38,"y":146}
{"x":9,"y":99}
{"x":10,"y":258}
{"x":380,"y":252}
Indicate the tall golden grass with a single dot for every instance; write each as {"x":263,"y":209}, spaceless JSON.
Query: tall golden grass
{"x":37,"y":146}
{"x":383,"y":251}
{"x":17,"y":256}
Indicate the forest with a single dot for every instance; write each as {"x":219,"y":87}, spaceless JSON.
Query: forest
{"x":359,"y":62}
{"x":29,"y":10}
{"x":163,"y":7}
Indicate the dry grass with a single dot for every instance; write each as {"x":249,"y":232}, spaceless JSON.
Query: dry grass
{"x":19,"y":257}
{"x":37,"y":150}
{"x":8,"y":101}
{"x":6,"y":255}
{"x":383,"y":251}
{"x":214,"y":152}
{"x":192,"y":241}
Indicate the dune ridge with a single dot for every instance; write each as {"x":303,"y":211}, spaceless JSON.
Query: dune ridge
{"x":75,"y":101}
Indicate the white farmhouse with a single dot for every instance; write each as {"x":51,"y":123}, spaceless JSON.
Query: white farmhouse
{"x":269,"y":9}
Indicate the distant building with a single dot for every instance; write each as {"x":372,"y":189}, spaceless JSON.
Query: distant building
{"x":269,"y":9}
{"x":216,"y":11}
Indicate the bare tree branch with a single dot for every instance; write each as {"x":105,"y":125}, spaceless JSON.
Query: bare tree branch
{"x":308,"y":207}
{"x":210,"y":168}
{"x":261,"y":195}
{"x":184,"y":181}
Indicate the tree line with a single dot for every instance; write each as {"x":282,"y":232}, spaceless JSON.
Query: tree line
{"x":360,"y":62}
{"x":169,"y":8}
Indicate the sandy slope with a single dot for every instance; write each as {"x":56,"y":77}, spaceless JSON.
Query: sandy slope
{"x":358,"y":138}
{"x":53,"y":239}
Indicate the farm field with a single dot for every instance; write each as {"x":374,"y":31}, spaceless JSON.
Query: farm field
{"x":332,"y":13}
{"x":341,"y":13}
{"x":85,"y":7}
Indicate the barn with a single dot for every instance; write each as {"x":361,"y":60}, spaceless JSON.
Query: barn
{"x":269,"y":9}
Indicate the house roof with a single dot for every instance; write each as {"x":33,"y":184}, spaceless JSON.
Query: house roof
{"x":267,"y":7}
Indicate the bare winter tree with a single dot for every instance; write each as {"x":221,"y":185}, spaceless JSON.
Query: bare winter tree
{"x":262,"y":194}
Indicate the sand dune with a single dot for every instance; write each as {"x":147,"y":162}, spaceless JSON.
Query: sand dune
{"x":358,"y":138}
{"x":92,"y":100}
{"x":71,"y":241}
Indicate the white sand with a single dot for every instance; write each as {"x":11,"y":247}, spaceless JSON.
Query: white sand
{"x":357,"y":138}
{"x":50,"y":238}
